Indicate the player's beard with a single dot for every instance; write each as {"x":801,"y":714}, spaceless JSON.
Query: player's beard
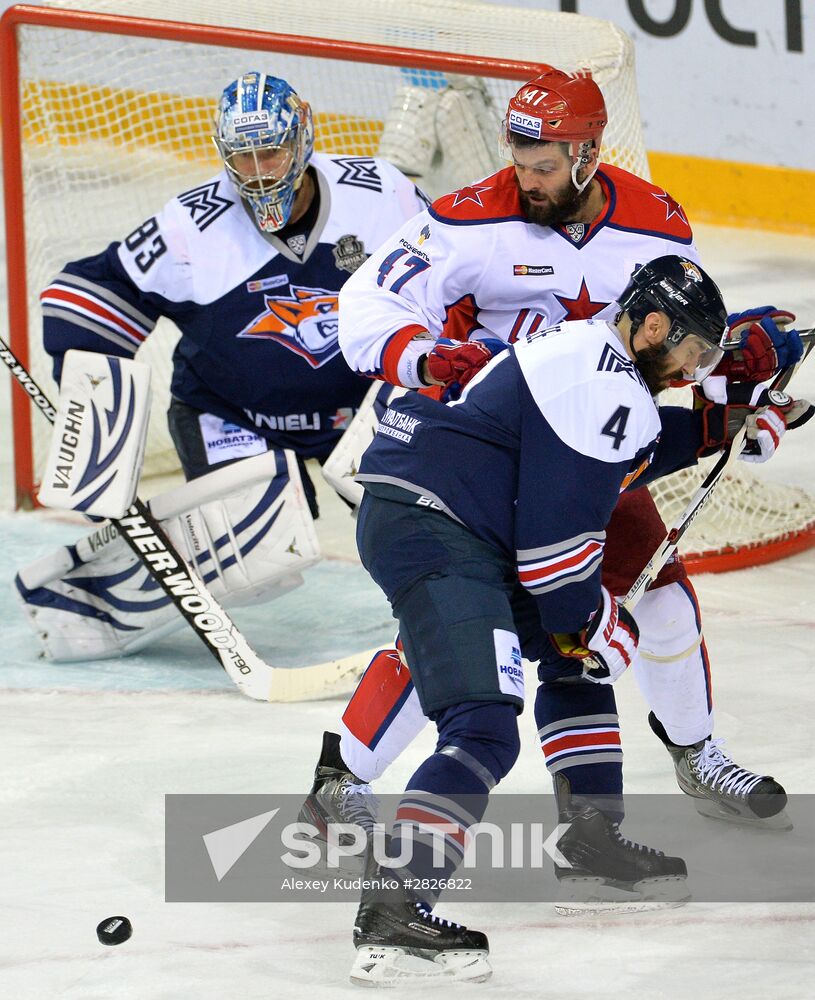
{"x":556,"y":209}
{"x":656,"y":370}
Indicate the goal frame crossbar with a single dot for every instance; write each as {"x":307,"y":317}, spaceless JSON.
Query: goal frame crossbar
{"x":10,"y":114}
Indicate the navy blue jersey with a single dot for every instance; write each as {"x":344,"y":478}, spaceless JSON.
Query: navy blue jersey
{"x":534,"y":455}
{"x":257,"y":313}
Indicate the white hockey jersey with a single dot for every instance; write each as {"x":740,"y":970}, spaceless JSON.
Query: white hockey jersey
{"x":472,"y":266}
{"x":534,"y":455}
{"x":257,"y":313}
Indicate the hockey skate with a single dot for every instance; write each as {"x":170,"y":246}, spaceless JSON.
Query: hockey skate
{"x":609,"y":873}
{"x":337,"y":796}
{"x":721,"y":789}
{"x":399,"y":941}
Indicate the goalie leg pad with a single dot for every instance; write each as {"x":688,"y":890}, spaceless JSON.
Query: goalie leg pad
{"x":245,"y":529}
{"x":673,"y":667}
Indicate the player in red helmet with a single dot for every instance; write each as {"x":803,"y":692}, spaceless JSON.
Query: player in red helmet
{"x":552,"y":134}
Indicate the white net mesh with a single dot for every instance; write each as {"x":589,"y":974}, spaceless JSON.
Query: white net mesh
{"x":115,"y":125}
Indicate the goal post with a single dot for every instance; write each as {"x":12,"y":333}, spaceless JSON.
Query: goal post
{"x":106,"y":116}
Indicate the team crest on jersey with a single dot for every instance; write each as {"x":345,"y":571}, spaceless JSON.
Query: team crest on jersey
{"x":576,"y":231}
{"x":304,"y":322}
{"x":204,"y":204}
{"x":297,"y":244}
{"x":349,"y":253}
{"x":612,"y":360}
{"x":359,"y":171}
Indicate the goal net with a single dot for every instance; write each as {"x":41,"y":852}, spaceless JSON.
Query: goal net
{"x":109,"y":116}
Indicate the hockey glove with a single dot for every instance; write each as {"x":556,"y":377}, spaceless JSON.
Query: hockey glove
{"x":768,"y":414}
{"x":767,"y":345}
{"x":453,"y":364}
{"x":608,"y":643}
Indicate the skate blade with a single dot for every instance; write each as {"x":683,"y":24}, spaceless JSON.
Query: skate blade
{"x":715,"y":810}
{"x":587,"y":897}
{"x":388,"y":966}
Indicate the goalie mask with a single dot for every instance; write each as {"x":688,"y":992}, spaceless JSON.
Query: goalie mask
{"x":558,"y":107}
{"x":265,"y":136}
{"x":693,"y":303}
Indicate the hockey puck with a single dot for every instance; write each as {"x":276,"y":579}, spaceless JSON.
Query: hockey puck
{"x":114,"y":930}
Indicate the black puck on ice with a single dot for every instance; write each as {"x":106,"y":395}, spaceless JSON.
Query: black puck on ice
{"x":114,"y":930}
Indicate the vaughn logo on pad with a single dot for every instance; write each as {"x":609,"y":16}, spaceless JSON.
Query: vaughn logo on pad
{"x":97,"y":445}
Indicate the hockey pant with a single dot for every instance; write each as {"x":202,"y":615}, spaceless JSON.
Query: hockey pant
{"x":672,"y":669}
{"x":245,"y":529}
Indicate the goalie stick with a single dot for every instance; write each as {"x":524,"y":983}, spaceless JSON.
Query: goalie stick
{"x":253,"y":676}
{"x":702,"y":495}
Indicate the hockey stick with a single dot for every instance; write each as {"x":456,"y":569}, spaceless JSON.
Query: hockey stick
{"x":703,"y":494}
{"x":210,"y":622}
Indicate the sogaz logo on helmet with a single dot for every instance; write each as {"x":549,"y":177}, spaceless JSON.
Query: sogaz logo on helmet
{"x":250,"y":121}
{"x":525,"y":124}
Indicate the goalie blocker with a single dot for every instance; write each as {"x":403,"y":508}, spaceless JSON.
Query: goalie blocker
{"x":97,"y":446}
{"x":245,"y":529}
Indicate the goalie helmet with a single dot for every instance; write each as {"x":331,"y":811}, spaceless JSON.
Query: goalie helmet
{"x":265,"y":136}
{"x":689,"y":297}
{"x":558,"y":107}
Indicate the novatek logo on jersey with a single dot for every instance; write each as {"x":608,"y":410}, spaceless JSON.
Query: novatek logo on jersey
{"x":251,"y":121}
{"x":525,"y":124}
{"x":304,"y":322}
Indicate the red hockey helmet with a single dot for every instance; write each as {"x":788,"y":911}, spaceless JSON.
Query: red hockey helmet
{"x":558,"y":107}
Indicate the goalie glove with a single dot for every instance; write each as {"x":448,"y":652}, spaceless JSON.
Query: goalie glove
{"x":608,"y":643}
{"x":768,"y":413}
{"x":767,"y":345}
{"x":453,"y":364}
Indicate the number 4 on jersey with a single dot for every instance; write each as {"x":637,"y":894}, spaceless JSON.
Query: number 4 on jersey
{"x":615,"y":425}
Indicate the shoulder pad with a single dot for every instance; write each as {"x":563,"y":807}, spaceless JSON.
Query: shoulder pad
{"x":206,"y":202}
{"x":589,"y":391}
{"x":493,"y":199}
{"x":644,"y":207}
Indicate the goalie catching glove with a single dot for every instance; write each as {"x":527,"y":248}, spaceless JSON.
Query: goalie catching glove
{"x":767,"y":344}
{"x":768,"y":413}
{"x":607,"y":645}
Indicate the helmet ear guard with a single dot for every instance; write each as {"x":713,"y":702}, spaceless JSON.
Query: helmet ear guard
{"x":264,"y":133}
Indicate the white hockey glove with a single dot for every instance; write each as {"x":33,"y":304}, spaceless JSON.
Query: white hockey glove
{"x":768,"y":414}
{"x":607,"y":645}
{"x":245,"y":529}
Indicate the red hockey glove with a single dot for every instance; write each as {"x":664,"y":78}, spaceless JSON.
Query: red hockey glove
{"x":453,"y":361}
{"x":768,"y":414}
{"x":608,"y":643}
{"x":766,"y":346}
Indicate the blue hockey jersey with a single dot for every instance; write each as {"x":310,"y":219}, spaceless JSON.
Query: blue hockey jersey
{"x":534,"y":455}
{"x":257,"y":314}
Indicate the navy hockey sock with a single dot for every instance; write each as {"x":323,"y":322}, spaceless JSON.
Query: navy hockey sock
{"x":580,"y":738}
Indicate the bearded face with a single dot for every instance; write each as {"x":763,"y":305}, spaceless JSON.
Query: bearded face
{"x":543,"y":174}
